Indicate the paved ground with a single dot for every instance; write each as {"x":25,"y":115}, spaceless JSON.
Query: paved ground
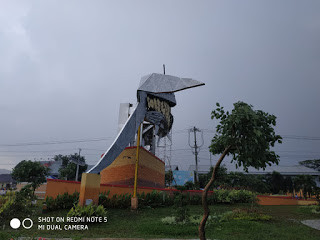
{"x":314,"y":223}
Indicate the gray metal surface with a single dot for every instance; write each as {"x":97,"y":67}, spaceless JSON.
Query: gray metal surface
{"x":159,"y":83}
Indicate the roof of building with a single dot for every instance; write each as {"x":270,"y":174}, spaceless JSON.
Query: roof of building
{"x":5,"y":171}
{"x":6,"y":178}
{"x":284,"y":170}
{"x":53,"y":165}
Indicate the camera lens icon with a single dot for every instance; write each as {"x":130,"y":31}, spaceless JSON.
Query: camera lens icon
{"x":27,"y":223}
{"x":15,"y":223}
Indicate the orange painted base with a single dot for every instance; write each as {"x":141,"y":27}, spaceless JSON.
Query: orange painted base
{"x":151,"y":170}
{"x":89,"y":189}
{"x":134,"y":203}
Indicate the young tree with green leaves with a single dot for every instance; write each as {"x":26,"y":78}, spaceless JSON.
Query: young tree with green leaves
{"x":247,"y":136}
{"x":31,"y":172}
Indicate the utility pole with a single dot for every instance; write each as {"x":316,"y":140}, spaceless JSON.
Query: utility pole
{"x":77,"y":173}
{"x":196,"y":147}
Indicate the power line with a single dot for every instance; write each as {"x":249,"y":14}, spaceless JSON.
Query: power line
{"x":55,"y":142}
{"x":300,"y":137}
{"x":36,"y":151}
{"x":206,"y":131}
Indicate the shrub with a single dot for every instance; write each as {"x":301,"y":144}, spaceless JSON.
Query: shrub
{"x":104,"y":200}
{"x":310,"y":209}
{"x":315,"y":209}
{"x":196,"y":219}
{"x":152,"y":199}
{"x":195,"y":199}
{"x":64,"y":201}
{"x":87,"y":211}
{"x":50,"y":204}
{"x":155,"y":199}
{"x":169,"y":220}
{"x":193,"y":220}
{"x":19,"y":202}
{"x":116,"y":201}
{"x":182,"y":211}
{"x":120,"y":201}
{"x":245,"y":214}
{"x":67,"y":201}
{"x":232,"y":196}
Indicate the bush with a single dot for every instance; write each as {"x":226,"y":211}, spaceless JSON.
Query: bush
{"x":195,"y":200}
{"x":64,"y":201}
{"x":120,"y":201}
{"x":116,"y":201}
{"x":245,"y":214}
{"x":192,"y":220}
{"x":104,"y":200}
{"x":155,"y":199}
{"x":310,"y":209}
{"x":67,"y":201}
{"x":18,"y":202}
{"x":182,"y":211}
{"x":196,"y":219}
{"x":232,"y":196}
{"x":315,"y":209}
{"x":152,"y":199}
{"x":87,"y":211}
{"x":161,"y":199}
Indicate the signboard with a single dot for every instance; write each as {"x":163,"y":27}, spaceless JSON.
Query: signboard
{"x":181,"y":177}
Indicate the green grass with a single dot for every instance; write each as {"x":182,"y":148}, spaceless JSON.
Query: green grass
{"x":146,"y":223}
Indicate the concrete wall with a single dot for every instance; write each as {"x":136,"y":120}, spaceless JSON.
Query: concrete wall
{"x":56,"y":187}
{"x":275,"y":200}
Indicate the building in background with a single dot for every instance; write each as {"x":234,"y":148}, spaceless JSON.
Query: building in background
{"x":7,"y":182}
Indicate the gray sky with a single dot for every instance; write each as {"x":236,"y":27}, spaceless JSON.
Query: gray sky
{"x":65,"y":66}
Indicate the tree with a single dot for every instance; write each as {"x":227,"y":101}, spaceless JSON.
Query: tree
{"x":288,"y":184}
{"x":169,"y":178}
{"x":31,"y":172}
{"x":65,"y":159}
{"x":315,"y":164}
{"x":305,"y":183}
{"x":249,"y":182}
{"x":221,"y":178}
{"x":246,"y":135}
{"x":276,"y":181}
{"x":69,"y":168}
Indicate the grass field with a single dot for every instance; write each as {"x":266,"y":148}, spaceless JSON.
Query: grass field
{"x":146,"y":223}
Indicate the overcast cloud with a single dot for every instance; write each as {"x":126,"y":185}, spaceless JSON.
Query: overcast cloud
{"x":65,"y":66}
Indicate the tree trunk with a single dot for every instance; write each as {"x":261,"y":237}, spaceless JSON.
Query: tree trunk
{"x":206,"y":212}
